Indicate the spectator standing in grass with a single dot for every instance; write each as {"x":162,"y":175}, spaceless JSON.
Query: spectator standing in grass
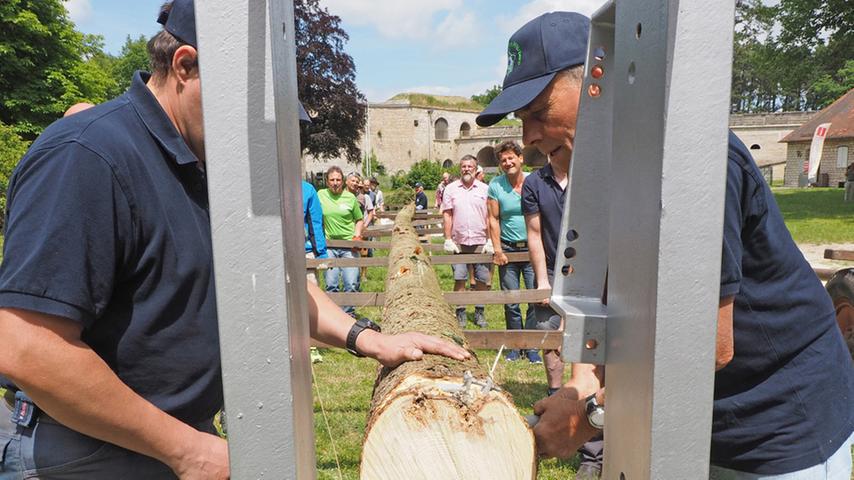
{"x":379,"y":198}
{"x":508,"y":234}
{"x":342,"y":220}
{"x":465,"y":223}
{"x":366,"y":204}
{"x":315,"y":239}
{"x":420,"y":197}
{"x":440,"y":189}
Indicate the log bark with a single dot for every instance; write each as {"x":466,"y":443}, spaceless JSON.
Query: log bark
{"x":423,"y":422}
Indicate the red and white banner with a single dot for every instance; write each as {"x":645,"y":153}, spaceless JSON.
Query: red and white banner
{"x":811,"y":168}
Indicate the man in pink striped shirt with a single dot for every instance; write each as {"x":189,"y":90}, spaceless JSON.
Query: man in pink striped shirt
{"x":466,"y":231}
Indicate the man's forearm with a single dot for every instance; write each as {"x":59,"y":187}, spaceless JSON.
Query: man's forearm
{"x":538,"y":259}
{"x":495,"y":233}
{"x":47,"y":366}
{"x":359,"y":229}
{"x":448,"y":222}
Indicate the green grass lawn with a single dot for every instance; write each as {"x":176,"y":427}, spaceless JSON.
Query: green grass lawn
{"x":817,"y":215}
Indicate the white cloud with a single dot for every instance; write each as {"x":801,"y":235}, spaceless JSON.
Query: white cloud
{"x":458,"y":29}
{"x":392,"y":18}
{"x":535,"y":8}
{"x":78,"y":10}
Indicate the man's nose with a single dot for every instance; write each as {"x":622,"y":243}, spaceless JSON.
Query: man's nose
{"x":531,"y":133}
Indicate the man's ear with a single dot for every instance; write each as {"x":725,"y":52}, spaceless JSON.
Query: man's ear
{"x":185,"y":63}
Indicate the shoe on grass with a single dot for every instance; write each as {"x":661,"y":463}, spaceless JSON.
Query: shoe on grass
{"x":512,"y":355}
{"x":479,"y":318}
{"x":461,"y":317}
{"x":534,"y":357}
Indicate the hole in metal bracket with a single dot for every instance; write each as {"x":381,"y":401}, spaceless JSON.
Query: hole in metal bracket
{"x":638,"y":30}
{"x":594,"y":90}
{"x":567,"y":270}
{"x":571,"y":235}
{"x":599,"y":53}
{"x":569,"y":252}
{"x":632,"y":73}
{"x":622,"y":476}
{"x":591,"y":344}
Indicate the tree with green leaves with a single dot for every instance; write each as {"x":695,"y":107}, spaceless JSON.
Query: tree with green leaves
{"x":487,"y":96}
{"x":133,"y":57}
{"x":326,"y":80}
{"x":39,"y":51}
{"x":12,"y":148}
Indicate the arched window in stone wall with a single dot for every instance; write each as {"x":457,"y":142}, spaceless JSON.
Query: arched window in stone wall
{"x":533,"y":158}
{"x":448,"y":163}
{"x":486,"y":157}
{"x":440,"y":129}
{"x":465,"y":130}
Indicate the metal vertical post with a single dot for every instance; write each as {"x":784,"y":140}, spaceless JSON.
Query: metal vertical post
{"x":252,"y":146}
{"x":671,"y":78}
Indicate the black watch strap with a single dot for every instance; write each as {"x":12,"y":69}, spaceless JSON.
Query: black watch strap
{"x":357,"y":328}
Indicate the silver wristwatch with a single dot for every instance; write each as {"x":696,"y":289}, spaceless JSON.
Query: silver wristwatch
{"x":595,"y":412}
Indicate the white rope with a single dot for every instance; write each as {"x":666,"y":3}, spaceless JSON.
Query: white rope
{"x":495,"y":363}
{"x":326,"y":421}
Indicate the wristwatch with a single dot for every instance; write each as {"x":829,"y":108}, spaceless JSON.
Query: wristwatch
{"x":595,"y":413}
{"x":357,"y":328}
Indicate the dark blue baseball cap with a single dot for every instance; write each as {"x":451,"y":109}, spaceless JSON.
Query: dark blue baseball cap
{"x":179,"y":19}
{"x":535,"y":53}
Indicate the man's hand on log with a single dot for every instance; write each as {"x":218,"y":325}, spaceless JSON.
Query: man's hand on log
{"x":563,"y":426}
{"x":451,"y":246}
{"x":392,"y":350}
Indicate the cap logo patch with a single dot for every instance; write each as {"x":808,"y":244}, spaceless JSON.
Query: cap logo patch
{"x":514,"y":56}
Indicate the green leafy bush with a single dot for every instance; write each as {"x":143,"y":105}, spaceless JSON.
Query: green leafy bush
{"x":12,"y":148}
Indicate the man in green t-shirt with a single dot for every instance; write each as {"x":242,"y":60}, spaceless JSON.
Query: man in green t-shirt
{"x":342,"y":220}
{"x":509,"y":234}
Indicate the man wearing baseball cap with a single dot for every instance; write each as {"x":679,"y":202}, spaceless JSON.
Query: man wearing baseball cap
{"x":545,"y":62}
{"x":779,"y":412}
{"x":110,"y":361}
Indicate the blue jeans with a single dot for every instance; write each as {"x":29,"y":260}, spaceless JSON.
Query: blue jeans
{"x":837,"y":467}
{"x":509,"y":276}
{"x":349,"y":276}
{"x":49,"y":450}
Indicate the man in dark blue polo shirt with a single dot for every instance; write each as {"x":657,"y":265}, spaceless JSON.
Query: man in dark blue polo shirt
{"x":110,"y":350}
{"x":784,"y":387}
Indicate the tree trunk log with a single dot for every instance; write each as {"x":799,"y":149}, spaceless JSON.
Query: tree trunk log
{"x":424,"y":423}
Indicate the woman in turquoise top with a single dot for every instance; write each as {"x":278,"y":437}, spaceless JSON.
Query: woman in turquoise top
{"x":508,"y":234}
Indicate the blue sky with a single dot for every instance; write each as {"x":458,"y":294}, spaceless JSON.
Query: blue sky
{"x":447,"y":47}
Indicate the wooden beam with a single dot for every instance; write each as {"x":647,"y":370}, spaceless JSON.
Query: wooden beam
{"x":419,"y":216}
{"x":387,"y":233}
{"x":466,"y":258}
{"x":527,"y":339}
{"x":832,"y":254}
{"x":494,"y":339}
{"x":430,"y":247}
{"x":824,"y":273}
{"x":491,"y":297}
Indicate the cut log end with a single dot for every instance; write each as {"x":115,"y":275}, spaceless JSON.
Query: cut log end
{"x":431,"y":428}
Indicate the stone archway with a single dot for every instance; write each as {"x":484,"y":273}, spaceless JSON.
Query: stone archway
{"x":448,"y":163}
{"x":533,"y":158}
{"x":440,"y":129}
{"x":486,"y":157}
{"x":465,"y":130}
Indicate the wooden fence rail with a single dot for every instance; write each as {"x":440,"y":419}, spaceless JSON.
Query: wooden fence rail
{"x":514,"y":257}
{"x":494,"y":339}
{"x":488,"y":297}
{"x":832,"y":254}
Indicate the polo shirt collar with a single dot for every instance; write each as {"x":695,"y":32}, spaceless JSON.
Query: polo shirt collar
{"x":157,"y":122}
